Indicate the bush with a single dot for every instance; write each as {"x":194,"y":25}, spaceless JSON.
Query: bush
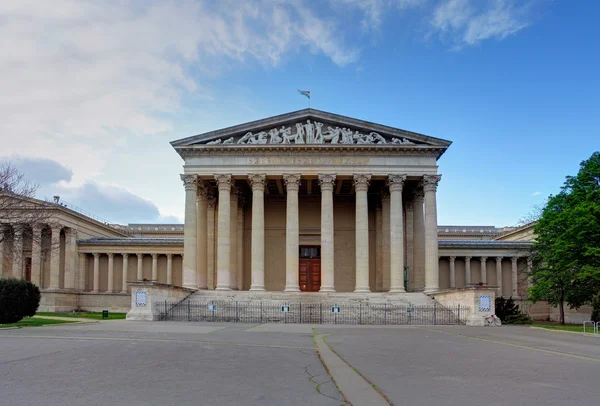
{"x":520,"y":318}
{"x":596,"y":308}
{"x":18,"y":299}
{"x":506,"y":308}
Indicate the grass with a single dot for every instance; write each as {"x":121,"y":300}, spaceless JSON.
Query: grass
{"x":34,"y":322}
{"x":92,"y":316}
{"x":578,"y":328}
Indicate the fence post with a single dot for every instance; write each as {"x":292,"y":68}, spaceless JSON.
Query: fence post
{"x":166,"y":312}
{"x":321,"y":313}
{"x":300,"y":312}
{"x":434,"y":314}
{"x":237,"y":317}
{"x":385,"y":313}
{"x":189,"y":318}
{"x":360,"y":313}
{"x":458,"y":321}
{"x":261,"y":319}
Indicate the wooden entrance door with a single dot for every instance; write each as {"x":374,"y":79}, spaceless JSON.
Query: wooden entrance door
{"x":310,"y":269}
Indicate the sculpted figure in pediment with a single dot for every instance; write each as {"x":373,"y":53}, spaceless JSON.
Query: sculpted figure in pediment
{"x":332,"y":135}
{"x":299,"y":134}
{"x":245,"y":138}
{"x":310,"y":133}
{"x":347,"y":136}
{"x":274,"y":136}
{"x":318,"y":133}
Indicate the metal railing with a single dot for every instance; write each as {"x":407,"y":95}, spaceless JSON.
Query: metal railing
{"x":595,"y":327}
{"x":312,"y":313}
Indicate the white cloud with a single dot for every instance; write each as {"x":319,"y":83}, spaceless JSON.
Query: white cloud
{"x":374,"y":10}
{"x":468,"y":22}
{"x":536,"y":193}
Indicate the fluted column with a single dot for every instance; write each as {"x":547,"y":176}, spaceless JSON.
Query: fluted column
{"x":515,"y":277}
{"x":452,"y":273}
{"x":2,"y":241}
{"x":17,"y":252}
{"x":190,"y":183}
{"x":82,"y":271}
{"x":70,"y":258}
{"x":201,"y":237}
{"x":111,"y":273}
{"x":499,"y":275}
{"x":327,"y":183}
{"x":140,"y":267}
{"x":257,"y":269}
{"x":96,"y":280}
{"x":55,"y":259}
{"x":223,"y":240}
{"x":36,"y":255}
{"x":529,"y":269}
{"x":124,"y":272}
{"x":409,"y":233}
{"x":385,"y":240}
{"x":432,"y":275}
{"x":396,"y":183}
{"x":361,"y":185}
{"x":210,"y":243}
{"x":292,"y":238}
{"x":483,"y":270}
{"x":467,"y":271}
{"x":378,"y":249}
{"x":169,"y":269}
{"x":418,"y":240}
{"x":155,"y":267}
{"x":233,"y":210}
{"x":240,"y":243}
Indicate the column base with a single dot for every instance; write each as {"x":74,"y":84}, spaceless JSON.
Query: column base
{"x":124,"y":291}
{"x":257,"y":288}
{"x":109,"y":291}
{"x":190,"y":286}
{"x":223,"y":288}
{"x":397,"y":290}
{"x":362,"y":290}
{"x":292,"y":289}
{"x":95,"y":291}
{"x":431,"y":290}
{"x":327,"y":289}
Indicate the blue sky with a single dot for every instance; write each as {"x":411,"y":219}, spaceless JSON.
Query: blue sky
{"x":94,"y":91}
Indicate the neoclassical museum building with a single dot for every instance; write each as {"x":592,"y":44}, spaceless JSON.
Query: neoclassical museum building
{"x":304,"y":203}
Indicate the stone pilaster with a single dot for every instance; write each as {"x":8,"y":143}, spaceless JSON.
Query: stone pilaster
{"x":96,"y":280}
{"x":169,"y":269}
{"x":82,"y":271}
{"x":70,"y":258}
{"x":432,"y":275}
{"x":385,"y":241}
{"x":55,"y":259}
{"x":361,"y":185}
{"x":327,"y":183}
{"x":467,"y":271}
{"x":452,"y":273}
{"x":111,"y":272}
{"x":499,"y":275}
{"x":190,"y":183}
{"x":201,"y":236}
{"x":124,"y":272}
{"x":418,"y":240}
{"x":36,"y":255}
{"x":515,"y":276}
{"x":140,"y":267}
{"x":17,"y":252}
{"x":233,"y":239}
{"x":483,"y":270}
{"x":257,"y":270}
{"x":210,"y":243}
{"x":223,"y":238}
{"x":292,"y":238}
{"x":396,"y":183}
{"x":154,"y":267}
{"x":240,"y":243}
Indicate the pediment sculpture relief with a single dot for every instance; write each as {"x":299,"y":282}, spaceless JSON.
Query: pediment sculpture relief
{"x":312,"y":133}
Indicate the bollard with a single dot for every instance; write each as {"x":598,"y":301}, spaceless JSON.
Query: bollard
{"x":104,"y":314}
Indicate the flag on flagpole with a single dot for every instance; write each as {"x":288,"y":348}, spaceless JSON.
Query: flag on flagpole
{"x":305,"y":93}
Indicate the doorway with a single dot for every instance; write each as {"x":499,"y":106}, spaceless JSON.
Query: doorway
{"x":310,"y":268}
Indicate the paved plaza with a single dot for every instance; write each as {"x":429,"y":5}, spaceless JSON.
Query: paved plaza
{"x":170,"y":363}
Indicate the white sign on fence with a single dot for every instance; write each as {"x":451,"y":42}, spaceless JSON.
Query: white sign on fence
{"x":141,"y":298}
{"x":212,"y":307}
{"x":335,"y":309}
{"x":285,"y":309}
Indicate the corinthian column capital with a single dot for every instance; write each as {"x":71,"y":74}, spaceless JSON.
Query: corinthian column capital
{"x":190,"y":182}
{"x":292,"y":181}
{"x":202,"y":191}
{"x":396,"y":182}
{"x":361,"y":182}
{"x":223,"y":182}
{"x":257,"y":181}
{"x":430,"y":182}
{"x":327,"y":181}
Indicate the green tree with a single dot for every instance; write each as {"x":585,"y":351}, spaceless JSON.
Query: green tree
{"x":567,"y":243}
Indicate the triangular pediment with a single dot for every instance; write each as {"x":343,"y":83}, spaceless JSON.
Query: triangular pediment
{"x":310,"y":127}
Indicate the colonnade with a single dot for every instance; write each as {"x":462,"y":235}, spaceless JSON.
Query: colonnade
{"x":198,"y":249}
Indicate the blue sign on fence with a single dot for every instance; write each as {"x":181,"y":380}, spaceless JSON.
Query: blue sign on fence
{"x":212,"y":307}
{"x":285,"y":309}
{"x":335,"y":309}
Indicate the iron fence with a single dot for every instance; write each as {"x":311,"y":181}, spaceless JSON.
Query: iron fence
{"x":312,"y":313}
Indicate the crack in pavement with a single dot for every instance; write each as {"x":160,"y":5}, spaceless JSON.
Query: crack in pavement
{"x":326,"y":378}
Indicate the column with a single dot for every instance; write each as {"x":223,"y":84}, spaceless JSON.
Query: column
{"x":70,"y":258}
{"x":257,"y":266}
{"x":36,"y":255}
{"x":233,"y":209}
{"x":96,"y":285}
{"x":111,"y":273}
{"x":169,"y":269}
{"x":17,"y":252}
{"x":124,"y":272}
{"x":483,"y":270}
{"x":515,"y":277}
{"x":452,"y":273}
{"x":210,"y":243}
{"x":201,"y":235}
{"x":327,"y":183}
{"x":396,"y":183}
{"x":379,"y":249}
{"x":140,"y":267}
{"x":385,"y":251}
{"x":82,"y":271}
{"x":240,"y":243}
{"x":419,"y":240}
{"x":409,"y":232}
{"x":361,"y":185}
{"x":499,"y":275}
{"x":292,"y":239}
{"x":154,"y":267}
{"x":528,"y":272}
{"x":190,"y":183}
{"x":2,"y":240}
{"x":432,"y":275}
{"x":55,"y":259}
{"x":223,"y":260}
{"x":467,"y":271}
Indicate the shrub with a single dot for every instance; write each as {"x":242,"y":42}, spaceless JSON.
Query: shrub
{"x":506,"y":308}
{"x":520,"y":318}
{"x":596,"y":308}
{"x":18,"y":299}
